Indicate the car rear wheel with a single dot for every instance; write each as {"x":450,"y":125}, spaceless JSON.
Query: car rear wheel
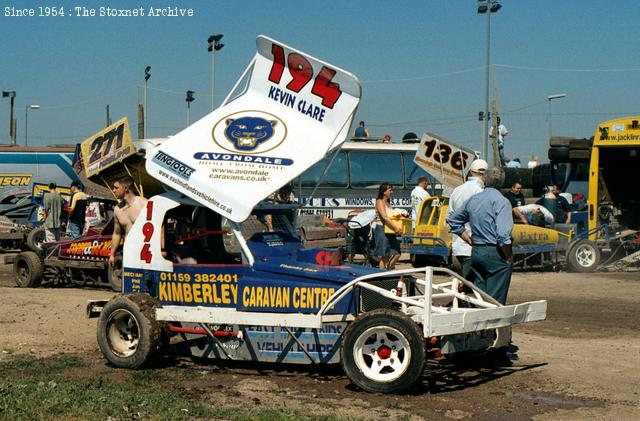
{"x":583,"y":256}
{"x":383,"y":351}
{"x":128,"y":334}
{"x":28,"y":269}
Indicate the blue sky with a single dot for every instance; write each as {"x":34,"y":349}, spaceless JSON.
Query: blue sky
{"x":421,"y":64}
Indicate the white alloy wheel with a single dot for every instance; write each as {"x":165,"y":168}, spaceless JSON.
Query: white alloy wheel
{"x":382,"y":353}
{"x":585,"y":255}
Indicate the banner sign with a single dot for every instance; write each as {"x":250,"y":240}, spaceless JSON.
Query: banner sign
{"x":444,"y":160}
{"x":290,"y":111}
{"x":107,"y":147}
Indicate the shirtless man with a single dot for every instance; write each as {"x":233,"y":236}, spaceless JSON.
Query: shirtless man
{"x":125,"y":213}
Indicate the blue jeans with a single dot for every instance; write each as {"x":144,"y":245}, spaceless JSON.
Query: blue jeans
{"x":75,"y":229}
{"x":490,"y":272}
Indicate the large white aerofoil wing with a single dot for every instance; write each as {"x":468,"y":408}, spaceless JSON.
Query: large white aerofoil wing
{"x":295,"y":108}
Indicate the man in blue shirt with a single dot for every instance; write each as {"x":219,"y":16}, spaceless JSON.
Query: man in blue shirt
{"x":489,"y":216}
{"x":361,"y":132}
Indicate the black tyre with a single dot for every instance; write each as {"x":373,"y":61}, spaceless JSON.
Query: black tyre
{"x":559,"y":154}
{"x":410,"y":137}
{"x":383,"y":351}
{"x":581,"y":143}
{"x":561,"y":141}
{"x":35,"y":238}
{"x":114,"y":274}
{"x":583,"y":256}
{"x":28,"y":268}
{"x":128,"y":334}
{"x":580,"y":154}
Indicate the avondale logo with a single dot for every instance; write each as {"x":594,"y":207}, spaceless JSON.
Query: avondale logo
{"x":249,"y":132}
{"x":15,"y":180}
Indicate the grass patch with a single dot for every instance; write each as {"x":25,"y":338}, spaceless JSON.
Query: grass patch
{"x":33,"y":389}
{"x":277,"y":414}
{"x":33,"y":366}
{"x":143,"y":377}
{"x":53,"y":397}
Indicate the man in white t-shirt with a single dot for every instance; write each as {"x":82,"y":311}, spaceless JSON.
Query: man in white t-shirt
{"x":460,"y":250}
{"x":418,"y":195}
{"x":534,"y":214}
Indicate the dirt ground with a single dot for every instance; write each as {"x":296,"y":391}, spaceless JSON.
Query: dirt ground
{"x":581,"y":363}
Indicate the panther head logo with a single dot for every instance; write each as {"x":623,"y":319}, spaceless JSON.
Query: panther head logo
{"x":247,"y":133}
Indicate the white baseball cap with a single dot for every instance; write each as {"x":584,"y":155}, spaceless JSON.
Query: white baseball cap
{"x":479,"y":166}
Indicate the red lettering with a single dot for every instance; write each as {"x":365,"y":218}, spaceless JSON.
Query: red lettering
{"x":278,"y":63}
{"x":147,"y":231}
{"x":145,"y":253}
{"x":325,"y":89}
{"x":149,"y":210}
{"x":300,"y":70}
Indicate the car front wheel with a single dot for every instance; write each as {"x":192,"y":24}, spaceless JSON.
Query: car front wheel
{"x":128,"y":334}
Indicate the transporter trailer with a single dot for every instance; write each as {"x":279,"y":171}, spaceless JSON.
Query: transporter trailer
{"x":269,"y":298}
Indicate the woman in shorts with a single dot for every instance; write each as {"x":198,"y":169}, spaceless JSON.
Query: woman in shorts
{"x":387,"y":244}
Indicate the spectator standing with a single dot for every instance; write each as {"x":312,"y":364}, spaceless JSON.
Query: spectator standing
{"x":387,"y":244}
{"x":125,"y":213}
{"x":460,"y":250}
{"x":418,"y":195}
{"x":515,"y":196}
{"x":361,"y":131}
{"x":533,"y":162}
{"x":77,"y":210}
{"x":502,"y":132}
{"x":52,"y":211}
{"x":489,"y":215}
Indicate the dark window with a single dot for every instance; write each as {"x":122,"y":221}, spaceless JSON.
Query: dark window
{"x":412,"y":172}
{"x":369,"y":169}
{"x":336,"y":176}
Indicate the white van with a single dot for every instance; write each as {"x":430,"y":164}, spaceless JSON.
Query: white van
{"x":353,"y":179}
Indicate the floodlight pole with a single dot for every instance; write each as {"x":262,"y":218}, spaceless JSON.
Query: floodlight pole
{"x":214,"y":45}
{"x":26,"y":120}
{"x":189,"y":99}
{"x":485,"y":148}
{"x":549,"y":99}
{"x":488,"y":7}
{"x":147,"y":75}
